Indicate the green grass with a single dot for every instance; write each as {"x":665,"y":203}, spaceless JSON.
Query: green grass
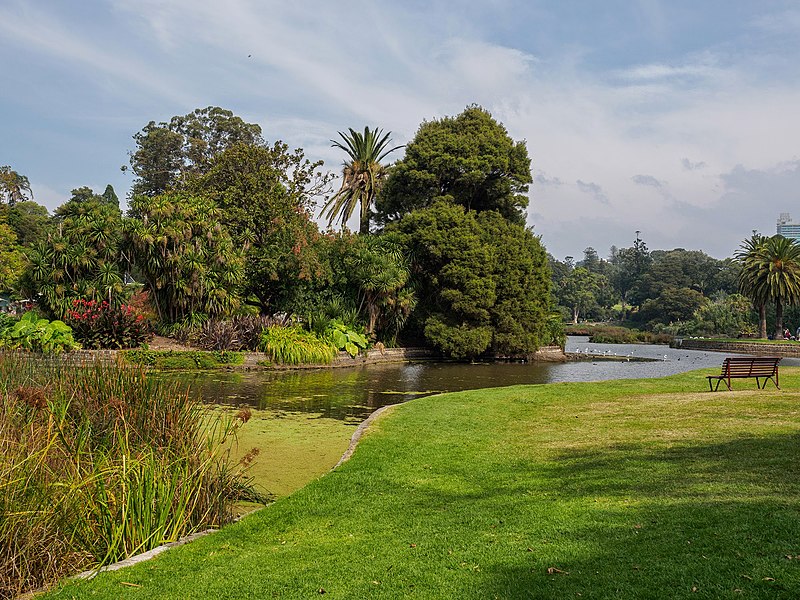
{"x":628,"y":489}
{"x":751,"y":341}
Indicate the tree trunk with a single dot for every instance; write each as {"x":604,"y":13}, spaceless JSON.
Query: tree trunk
{"x":574,"y":315}
{"x":363,"y":226}
{"x":778,"y":319}
{"x":762,"y":321}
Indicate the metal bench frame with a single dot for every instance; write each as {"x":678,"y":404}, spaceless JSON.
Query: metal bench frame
{"x":741,"y":367}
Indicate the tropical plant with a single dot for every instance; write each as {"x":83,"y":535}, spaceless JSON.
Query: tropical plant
{"x":191,"y":267}
{"x":362,"y":175}
{"x":102,"y":325}
{"x":39,"y":335}
{"x":380,"y":271}
{"x":344,"y":338}
{"x":750,"y":284}
{"x":241,"y":332}
{"x":80,"y":259}
{"x":771,"y":271}
{"x":294,"y":346}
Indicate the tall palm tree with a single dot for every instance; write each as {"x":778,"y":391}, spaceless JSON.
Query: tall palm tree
{"x":772,"y":271}
{"x":362,"y":175}
{"x":747,"y":257}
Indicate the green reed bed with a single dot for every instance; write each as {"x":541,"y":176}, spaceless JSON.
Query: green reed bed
{"x":101,"y":462}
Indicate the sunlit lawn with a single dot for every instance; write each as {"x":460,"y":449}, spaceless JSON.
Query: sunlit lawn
{"x":628,"y":489}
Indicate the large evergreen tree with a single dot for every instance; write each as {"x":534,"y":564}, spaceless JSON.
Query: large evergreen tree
{"x":468,"y":160}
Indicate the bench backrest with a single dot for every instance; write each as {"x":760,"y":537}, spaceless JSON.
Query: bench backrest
{"x":761,"y":366}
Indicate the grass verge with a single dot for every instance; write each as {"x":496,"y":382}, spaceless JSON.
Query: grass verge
{"x":626,"y":489}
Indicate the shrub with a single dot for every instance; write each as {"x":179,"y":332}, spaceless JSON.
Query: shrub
{"x":182,"y":359}
{"x":38,"y":335}
{"x":344,"y":338}
{"x":100,"y":325}
{"x":238,"y":333}
{"x":98,"y":463}
{"x":293,"y":346}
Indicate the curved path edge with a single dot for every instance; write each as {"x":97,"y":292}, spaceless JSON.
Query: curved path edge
{"x":359,"y":433}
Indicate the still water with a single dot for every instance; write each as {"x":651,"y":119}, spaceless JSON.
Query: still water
{"x":350,"y":394}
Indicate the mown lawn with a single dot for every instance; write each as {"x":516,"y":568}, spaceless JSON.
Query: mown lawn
{"x":627,"y":489}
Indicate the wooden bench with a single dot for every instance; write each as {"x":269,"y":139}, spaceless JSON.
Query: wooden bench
{"x":741,"y":367}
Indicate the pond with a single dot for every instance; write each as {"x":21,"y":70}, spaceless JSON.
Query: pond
{"x":302,"y":420}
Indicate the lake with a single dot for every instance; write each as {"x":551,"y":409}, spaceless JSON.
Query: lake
{"x":303,"y":420}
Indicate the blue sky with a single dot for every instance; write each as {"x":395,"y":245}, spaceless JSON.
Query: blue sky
{"x":677,"y":119}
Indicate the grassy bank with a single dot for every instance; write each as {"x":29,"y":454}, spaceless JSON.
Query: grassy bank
{"x":98,"y":463}
{"x":629,"y":489}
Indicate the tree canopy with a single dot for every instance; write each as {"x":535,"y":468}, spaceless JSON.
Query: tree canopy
{"x":167,"y":152}
{"x":468,"y":160}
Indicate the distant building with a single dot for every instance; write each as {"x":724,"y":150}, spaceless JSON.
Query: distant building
{"x":788,"y":229}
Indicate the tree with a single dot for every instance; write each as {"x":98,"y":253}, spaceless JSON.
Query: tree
{"x":167,"y":152}
{"x":362,"y":175}
{"x":750,"y":280}
{"x":81,"y":257}
{"x":13,"y":186}
{"x":579,"y":291}
{"x":380,"y":271}
{"x":771,"y":271}
{"x":30,"y":222}
{"x":264,"y":195}
{"x":672,"y":305}
{"x":482,"y":282}
{"x":630,"y":267}
{"x":191,"y":266}
{"x":12,"y":259}
{"x":468,"y":160}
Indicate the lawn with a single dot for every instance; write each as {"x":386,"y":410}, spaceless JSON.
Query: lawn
{"x":626,"y":489}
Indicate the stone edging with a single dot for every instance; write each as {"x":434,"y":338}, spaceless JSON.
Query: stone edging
{"x":766,"y":349}
{"x":359,"y":433}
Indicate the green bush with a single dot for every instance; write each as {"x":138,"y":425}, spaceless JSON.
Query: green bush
{"x":294,"y":346}
{"x":176,"y":360}
{"x":344,"y":338}
{"x":100,"y":325}
{"x":38,"y":335}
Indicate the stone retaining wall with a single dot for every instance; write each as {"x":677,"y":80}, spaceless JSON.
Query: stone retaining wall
{"x":777,"y":349}
{"x":252,"y":359}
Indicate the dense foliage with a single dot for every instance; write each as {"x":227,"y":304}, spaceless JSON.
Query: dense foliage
{"x":468,"y":160}
{"x":38,"y":335}
{"x":189,"y":262}
{"x":103,"y":325}
{"x":483,"y":282}
{"x":99,"y":463}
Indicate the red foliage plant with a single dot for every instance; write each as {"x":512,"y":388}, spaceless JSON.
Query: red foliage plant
{"x":101,"y":325}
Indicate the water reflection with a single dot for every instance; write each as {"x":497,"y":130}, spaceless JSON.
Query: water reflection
{"x":351,"y":394}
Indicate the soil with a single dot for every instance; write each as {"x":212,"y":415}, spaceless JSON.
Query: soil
{"x":164,"y":343}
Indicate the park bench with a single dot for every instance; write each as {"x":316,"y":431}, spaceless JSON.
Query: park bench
{"x":741,"y":367}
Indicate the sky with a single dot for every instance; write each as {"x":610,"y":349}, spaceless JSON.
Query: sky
{"x":676,"y":119}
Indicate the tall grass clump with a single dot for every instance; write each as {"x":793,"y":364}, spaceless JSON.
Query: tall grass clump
{"x":101,"y":462}
{"x":294,"y":346}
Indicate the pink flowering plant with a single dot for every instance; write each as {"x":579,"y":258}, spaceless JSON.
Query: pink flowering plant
{"x":102,"y":325}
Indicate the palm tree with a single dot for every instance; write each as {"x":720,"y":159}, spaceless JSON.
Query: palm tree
{"x":771,"y":271}
{"x":747,"y":256}
{"x":361,"y":176}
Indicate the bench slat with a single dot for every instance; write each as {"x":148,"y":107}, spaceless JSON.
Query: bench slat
{"x":745,"y":367}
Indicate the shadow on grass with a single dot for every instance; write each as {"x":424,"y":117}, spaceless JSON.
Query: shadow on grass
{"x":715,"y":521}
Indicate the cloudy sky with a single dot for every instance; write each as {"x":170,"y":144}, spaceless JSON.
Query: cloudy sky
{"x":678,"y":119}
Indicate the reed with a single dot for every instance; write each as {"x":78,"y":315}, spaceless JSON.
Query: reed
{"x":294,"y":346}
{"x":99,"y":463}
